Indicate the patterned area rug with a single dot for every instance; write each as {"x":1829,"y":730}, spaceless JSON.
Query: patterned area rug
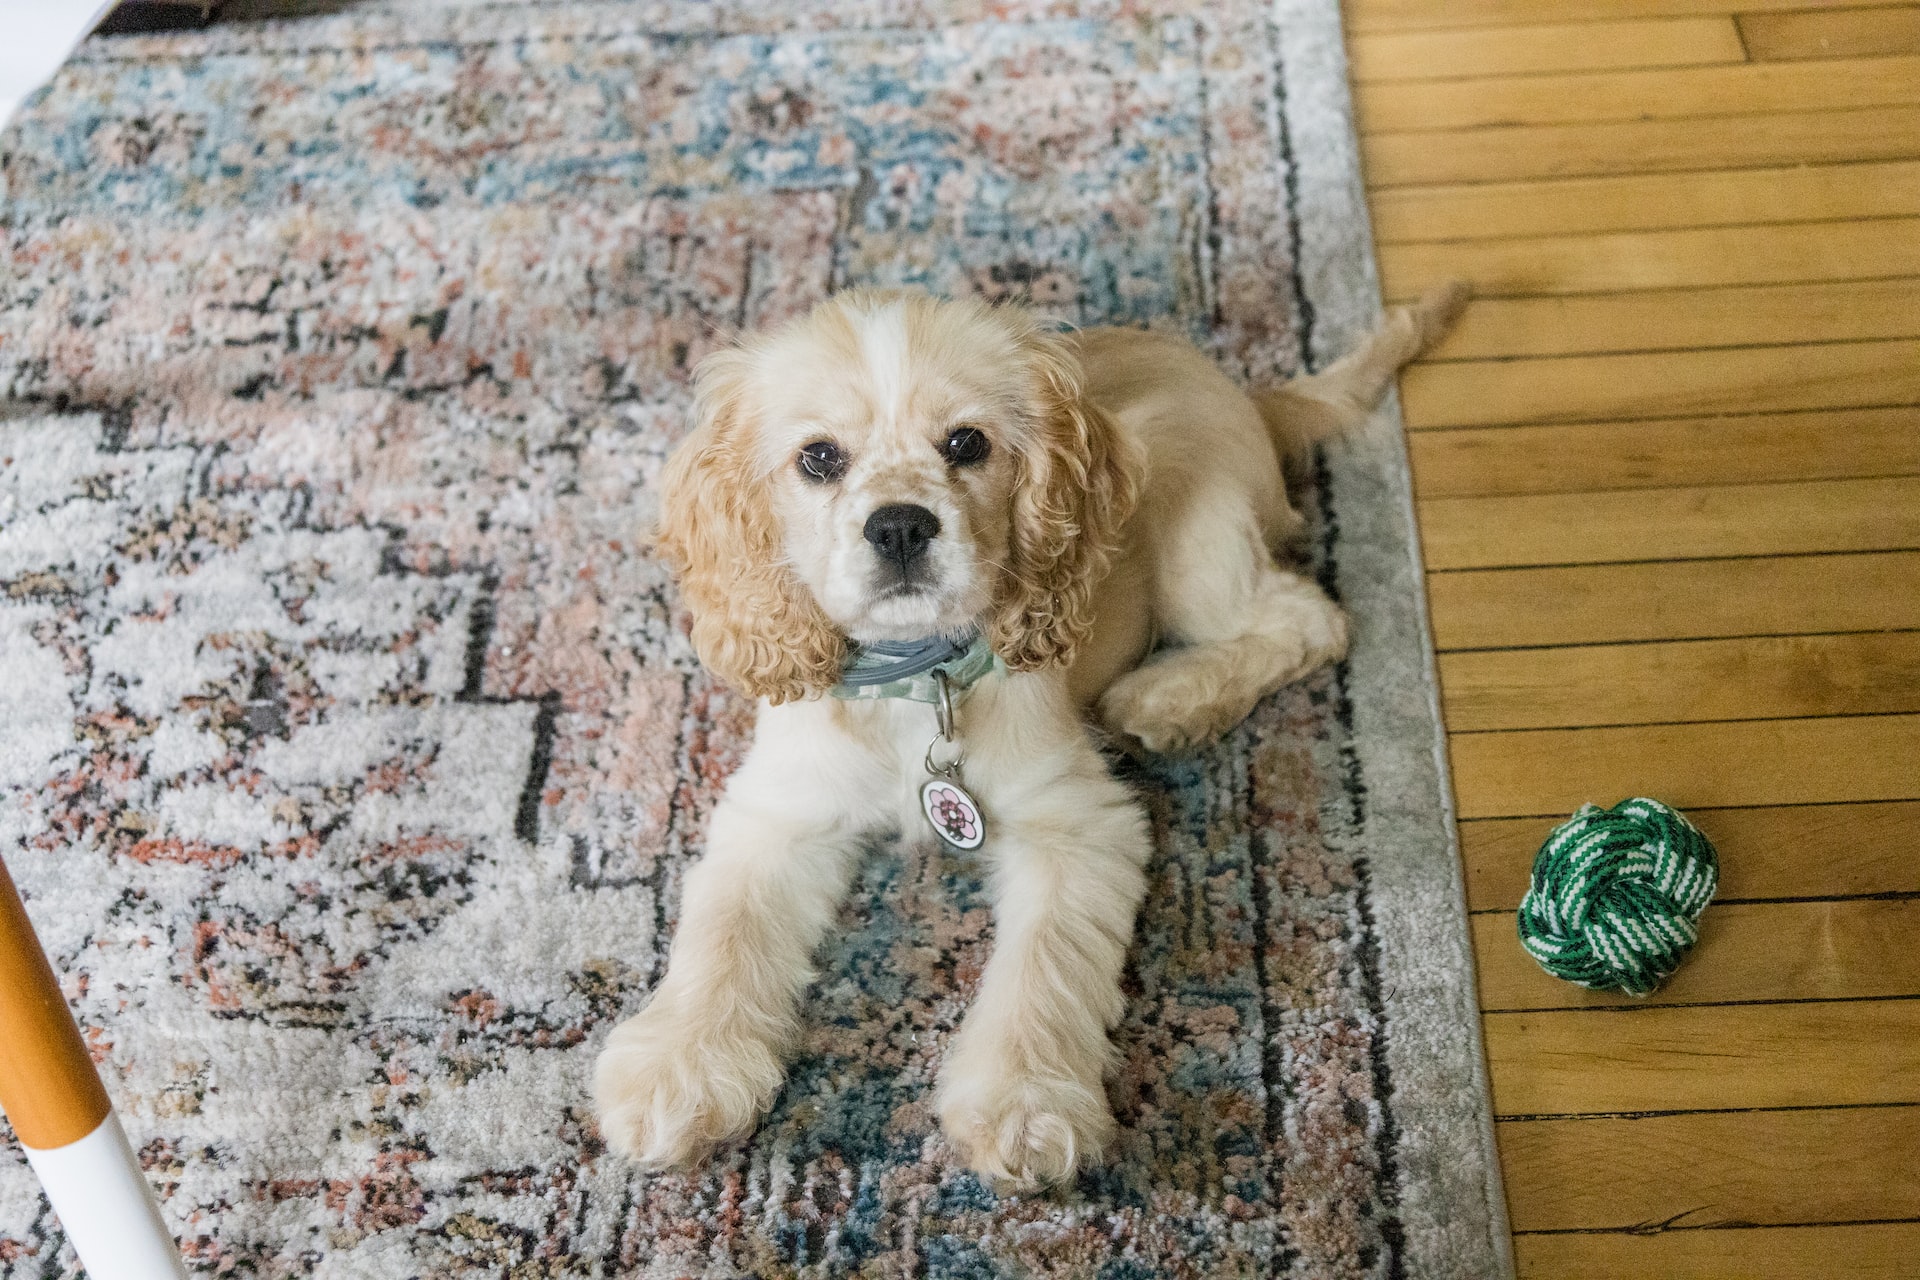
{"x":350,"y":756}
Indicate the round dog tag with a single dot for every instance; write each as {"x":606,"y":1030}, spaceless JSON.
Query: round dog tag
{"x":952,"y":813}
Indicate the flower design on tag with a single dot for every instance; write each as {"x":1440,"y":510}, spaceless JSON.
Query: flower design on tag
{"x":953,"y":814}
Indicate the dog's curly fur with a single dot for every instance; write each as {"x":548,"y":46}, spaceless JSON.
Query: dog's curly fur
{"x":1128,"y":496}
{"x":1078,"y":483}
{"x":752,"y":623}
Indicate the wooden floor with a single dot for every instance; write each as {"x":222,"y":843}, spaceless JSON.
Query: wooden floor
{"x":1668,"y":471}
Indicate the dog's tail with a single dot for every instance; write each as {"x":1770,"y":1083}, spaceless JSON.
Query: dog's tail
{"x":1308,"y":410}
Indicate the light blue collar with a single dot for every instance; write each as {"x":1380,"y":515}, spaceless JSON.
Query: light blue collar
{"x":905,"y":669}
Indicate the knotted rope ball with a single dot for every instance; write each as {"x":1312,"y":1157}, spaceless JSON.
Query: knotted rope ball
{"x":1617,"y":895}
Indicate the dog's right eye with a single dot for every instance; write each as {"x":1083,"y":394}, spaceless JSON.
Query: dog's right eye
{"x":822,"y":461}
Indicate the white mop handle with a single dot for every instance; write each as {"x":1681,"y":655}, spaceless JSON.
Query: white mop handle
{"x":105,"y":1207}
{"x":59,"y":1111}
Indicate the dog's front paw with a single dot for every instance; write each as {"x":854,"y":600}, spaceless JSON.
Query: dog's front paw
{"x":668,"y":1090}
{"x":1018,"y":1127}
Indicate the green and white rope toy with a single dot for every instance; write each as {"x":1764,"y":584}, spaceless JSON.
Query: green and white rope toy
{"x":1616,"y":896}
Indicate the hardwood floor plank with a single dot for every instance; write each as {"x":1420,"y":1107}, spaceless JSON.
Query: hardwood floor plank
{"x":1662,"y":524}
{"x":1747,"y":951}
{"x":1833,"y":1052}
{"x":1619,"y":262}
{"x":1419,"y":15}
{"x":1681,"y":681}
{"x":1869,"y":1251}
{"x":1637,"y":202}
{"x":1844,"y":1165}
{"x":1508,"y":154}
{"x":1830,"y":33}
{"x":1779,"y":851}
{"x":1683,"y":319}
{"x":1771,"y":595}
{"x":1690,"y":766}
{"x":1662,"y":384}
{"x":1519,"y":50}
{"x":1582,"y":457}
{"x":1734,"y":89}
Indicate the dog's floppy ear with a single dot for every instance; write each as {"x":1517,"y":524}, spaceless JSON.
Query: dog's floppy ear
{"x":1075,"y":483}
{"x":754,"y":624}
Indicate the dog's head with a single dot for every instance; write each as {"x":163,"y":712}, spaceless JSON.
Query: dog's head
{"x":886,"y":468}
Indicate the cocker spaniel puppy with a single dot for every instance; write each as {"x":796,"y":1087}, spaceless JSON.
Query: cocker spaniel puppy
{"x":935,"y":539}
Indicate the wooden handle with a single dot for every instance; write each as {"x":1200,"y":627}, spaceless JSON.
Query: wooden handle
{"x":48,"y":1086}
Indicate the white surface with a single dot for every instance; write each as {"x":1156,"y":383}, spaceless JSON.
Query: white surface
{"x":106,"y":1207}
{"x":39,"y":36}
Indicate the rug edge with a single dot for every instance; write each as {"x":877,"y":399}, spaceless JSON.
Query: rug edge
{"x":1453,"y":1208}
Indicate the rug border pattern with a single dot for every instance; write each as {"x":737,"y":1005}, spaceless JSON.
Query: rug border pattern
{"x":1452,"y":1208}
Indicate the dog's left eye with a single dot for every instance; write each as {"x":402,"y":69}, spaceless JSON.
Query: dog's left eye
{"x":966,"y":446}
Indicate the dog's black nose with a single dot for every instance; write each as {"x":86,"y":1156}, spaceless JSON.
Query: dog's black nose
{"x":901,"y":531}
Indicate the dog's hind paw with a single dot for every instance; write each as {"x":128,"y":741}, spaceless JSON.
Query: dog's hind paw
{"x":1186,"y":697}
{"x":1171,"y":706}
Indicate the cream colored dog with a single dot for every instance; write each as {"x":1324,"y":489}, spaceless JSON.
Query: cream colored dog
{"x":891,"y":468}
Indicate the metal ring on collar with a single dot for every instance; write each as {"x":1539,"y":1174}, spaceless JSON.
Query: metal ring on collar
{"x":949,"y":770}
{"x":943,"y":705}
